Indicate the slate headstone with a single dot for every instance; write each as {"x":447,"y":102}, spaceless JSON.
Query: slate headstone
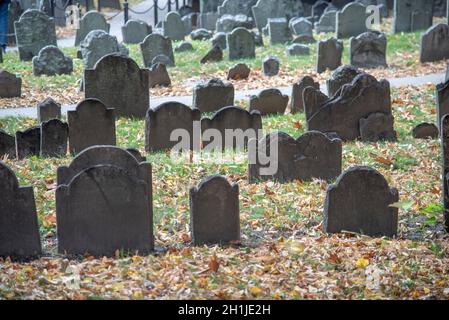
{"x":215,"y":54}
{"x":154,"y":45}
{"x":91,"y":21}
{"x":435,"y":44}
{"x":425,"y":131}
{"x":368,"y":50}
{"x":442,"y":99}
{"x":184,"y":47}
{"x":7,"y":145}
{"x":208,"y":20}
{"x":220,"y":39}
{"x":297,"y":104}
{"x":47,"y":110}
{"x":51,"y":61}
{"x":327,"y":22}
{"x":330,"y":53}
{"x":174,"y":27}
{"x":239,"y":72}
{"x":213,"y":95}
{"x":241,"y":44}
{"x":28,"y":143}
{"x":445,"y":168}
{"x":201,"y":34}
{"x":297,"y":50}
{"x":159,"y":76}
{"x":269,"y":101}
{"x":351,"y":20}
{"x":54,"y":137}
{"x":278,"y":31}
{"x":96,"y":45}
{"x":341,"y":76}
{"x":271,"y":66}
{"x":10,"y":85}
{"x":301,"y":26}
{"x":412,"y":15}
{"x":377,"y":127}
{"x":135,"y":31}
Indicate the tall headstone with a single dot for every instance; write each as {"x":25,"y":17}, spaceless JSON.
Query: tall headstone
{"x":442,"y":97}
{"x":235,"y":7}
{"x":96,"y":45}
{"x":90,"y":21}
{"x":329,"y":55}
{"x":278,"y":31}
{"x":327,"y":22}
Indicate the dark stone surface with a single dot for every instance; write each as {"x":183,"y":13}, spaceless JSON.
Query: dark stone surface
{"x":341,"y":76}
{"x":120,"y":84}
{"x":377,"y":127}
{"x":445,"y":168}
{"x":351,"y":20}
{"x":412,"y":15}
{"x":271,"y":66}
{"x":90,"y":21}
{"x":154,"y":45}
{"x":313,"y":99}
{"x":241,"y":44}
{"x":173,"y":26}
{"x":221,"y":40}
{"x":163,"y":120}
{"x":269,"y":101}
{"x":435,"y":44}
{"x":184,"y":47}
{"x":213,"y":95}
{"x":297,"y":104}
{"x":214,"y":212}
{"x":239,"y":71}
{"x":19,"y":230}
{"x":297,"y":50}
{"x":28,"y":142}
{"x":360,"y":202}
{"x":215,"y":54}
{"x":54,"y":138}
{"x":442,"y":97}
{"x":159,"y":76}
{"x":89,"y":125}
{"x":278,"y":31}
{"x":311,"y":156}
{"x":368,"y":50}
{"x":10,"y":85}
{"x":48,"y":109}
{"x":330,"y":52}
{"x":425,"y":131}
{"x":135,"y":31}
{"x":7,"y":145}
{"x":51,"y":61}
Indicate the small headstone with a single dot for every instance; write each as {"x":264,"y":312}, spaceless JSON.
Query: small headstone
{"x":341,"y":76}
{"x":269,"y":101}
{"x":301,"y":26}
{"x":220,"y":39}
{"x":330,"y":52}
{"x":241,"y":44}
{"x":28,"y":143}
{"x":54,"y":137}
{"x":10,"y":85}
{"x":135,"y":31}
{"x":174,"y":26}
{"x":377,"y":127}
{"x":368,"y":50}
{"x":215,"y":54}
{"x":435,"y":44}
{"x":327,"y":22}
{"x":19,"y":229}
{"x":214,"y":212}
{"x":297,"y":50}
{"x":360,"y":202}
{"x":158,"y":76}
{"x":239,"y":72}
{"x":91,"y":21}
{"x":51,"y":61}
{"x":297,"y":104}
{"x":425,"y":131}
{"x":154,"y":45}
{"x":90,"y":124}
{"x":96,"y":45}
{"x":213,"y":95}
{"x":278,"y":31}
{"x":47,"y":110}
{"x":271,"y":66}
{"x":7,"y":145}
{"x":201,"y":35}
{"x":184,"y":47}
{"x":351,"y":20}
{"x":162,"y":121}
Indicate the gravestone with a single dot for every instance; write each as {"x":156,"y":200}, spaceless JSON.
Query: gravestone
{"x":19,"y":229}
{"x":269,"y":101}
{"x":239,"y":72}
{"x":351,"y":20}
{"x":234,"y":7}
{"x":158,"y":76}
{"x":442,"y":97}
{"x":412,"y":15}
{"x":425,"y":131}
{"x":435,"y":44}
{"x":319,"y":8}
{"x":104,"y":204}
{"x":184,"y":47}
{"x":162,"y":121}
{"x":54,"y":136}
{"x":154,"y":45}
{"x":330,"y":52}
{"x":271,"y":66}
{"x":445,"y":168}
{"x":90,"y":124}
{"x":51,"y":61}
{"x":266,"y":9}
{"x":161,"y":59}
{"x":213,"y":95}
{"x":174,"y":27}
{"x":297,"y":104}
{"x":313,"y":99}
{"x":341,"y":76}
{"x":241,"y":44}
{"x":377,"y":127}
{"x":221,"y":40}
{"x":210,"y":5}
{"x":28,"y":143}
{"x":135,"y":31}
{"x":327,"y":22}
{"x":368,"y":50}
{"x":312,"y":156}
{"x":91,"y":21}
{"x":301,"y":26}
{"x":214,"y":212}
{"x":47,"y":110}
{"x":119,"y":83}
{"x":208,"y":20}
{"x":360,"y":201}
{"x":201,"y":35}
{"x":7,"y":145}
{"x":227,"y":23}
{"x":231,"y":118}
{"x":278,"y":31}
{"x":10,"y":85}
{"x":96,"y":45}
{"x":215,"y":54}
{"x":297,"y":50}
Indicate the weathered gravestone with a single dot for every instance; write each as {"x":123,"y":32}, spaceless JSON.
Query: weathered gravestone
{"x":28,"y":142}
{"x":90,"y":124}
{"x":230,"y":128}
{"x":278,"y":31}
{"x":319,"y":8}
{"x":377,"y":127}
{"x":174,"y":27}
{"x":104,"y":204}
{"x":301,"y":26}
{"x":19,"y":229}
{"x":368,"y":50}
{"x":208,"y":20}
{"x":47,"y":110}
{"x":135,"y":31}
{"x":159,"y":76}
{"x":201,"y":34}
{"x":313,"y":99}
{"x":154,"y":45}
{"x":184,"y":47}
{"x":234,"y":7}
{"x":10,"y":85}
{"x":327,"y":22}
{"x":312,"y":156}
{"x":213,"y":95}
{"x":34,"y":31}
{"x":239,"y":72}
{"x":162,"y":122}
{"x":351,"y":20}
{"x":341,"y":76}
{"x":271,"y":66}
{"x":342,"y":113}
{"x":227,"y":23}
{"x":221,"y":40}
{"x":215,"y":54}
{"x":442,"y":97}
{"x":214,"y":212}
{"x":7,"y":145}
{"x":445,"y":168}
{"x":329,"y":54}
{"x":119,"y":83}
{"x":269,"y":101}
{"x":266,"y":9}
{"x":360,"y":201}
{"x":435,"y":44}
{"x":241,"y":44}
{"x":54,"y":137}
{"x":425,"y":131}
{"x":297,"y":104}
{"x":91,"y":21}
{"x":412,"y":15}
{"x":51,"y":61}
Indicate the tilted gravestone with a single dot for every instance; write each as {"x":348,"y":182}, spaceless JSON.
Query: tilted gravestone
{"x":342,"y":113}
{"x":412,"y":15}
{"x":327,"y":22}
{"x":444,"y":133}
{"x":19,"y":229}
{"x":7,"y":145}
{"x":329,"y":54}
{"x":271,"y":66}
{"x":104,"y":204}
{"x":159,"y":76}
{"x":244,"y":124}
{"x":90,"y":124}
{"x":360,"y":201}
{"x":435,"y":44}
{"x":442,"y":97}
{"x":54,"y":137}
{"x":214,"y":212}
{"x":368,"y":50}
{"x":241,"y":44}
{"x":215,"y":54}
{"x":312,"y":156}
{"x":425,"y":131}
{"x":239,"y":72}
{"x":174,"y":27}
{"x":297,"y":104}
{"x":119,"y":83}
{"x":51,"y":61}
{"x":98,"y":44}
{"x":47,"y":110}
{"x":161,"y":123}
{"x":341,"y":76}
{"x":278,"y":31}
{"x":213,"y":95}
{"x":377,"y":127}
{"x":135,"y":31}
{"x":28,"y":142}
{"x":91,"y":21}
{"x":34,"y":31}
{"x":10,"y":85}
{"x":351,"y":20}
{"x":154,"y":45}
{"x":269,"y":101}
